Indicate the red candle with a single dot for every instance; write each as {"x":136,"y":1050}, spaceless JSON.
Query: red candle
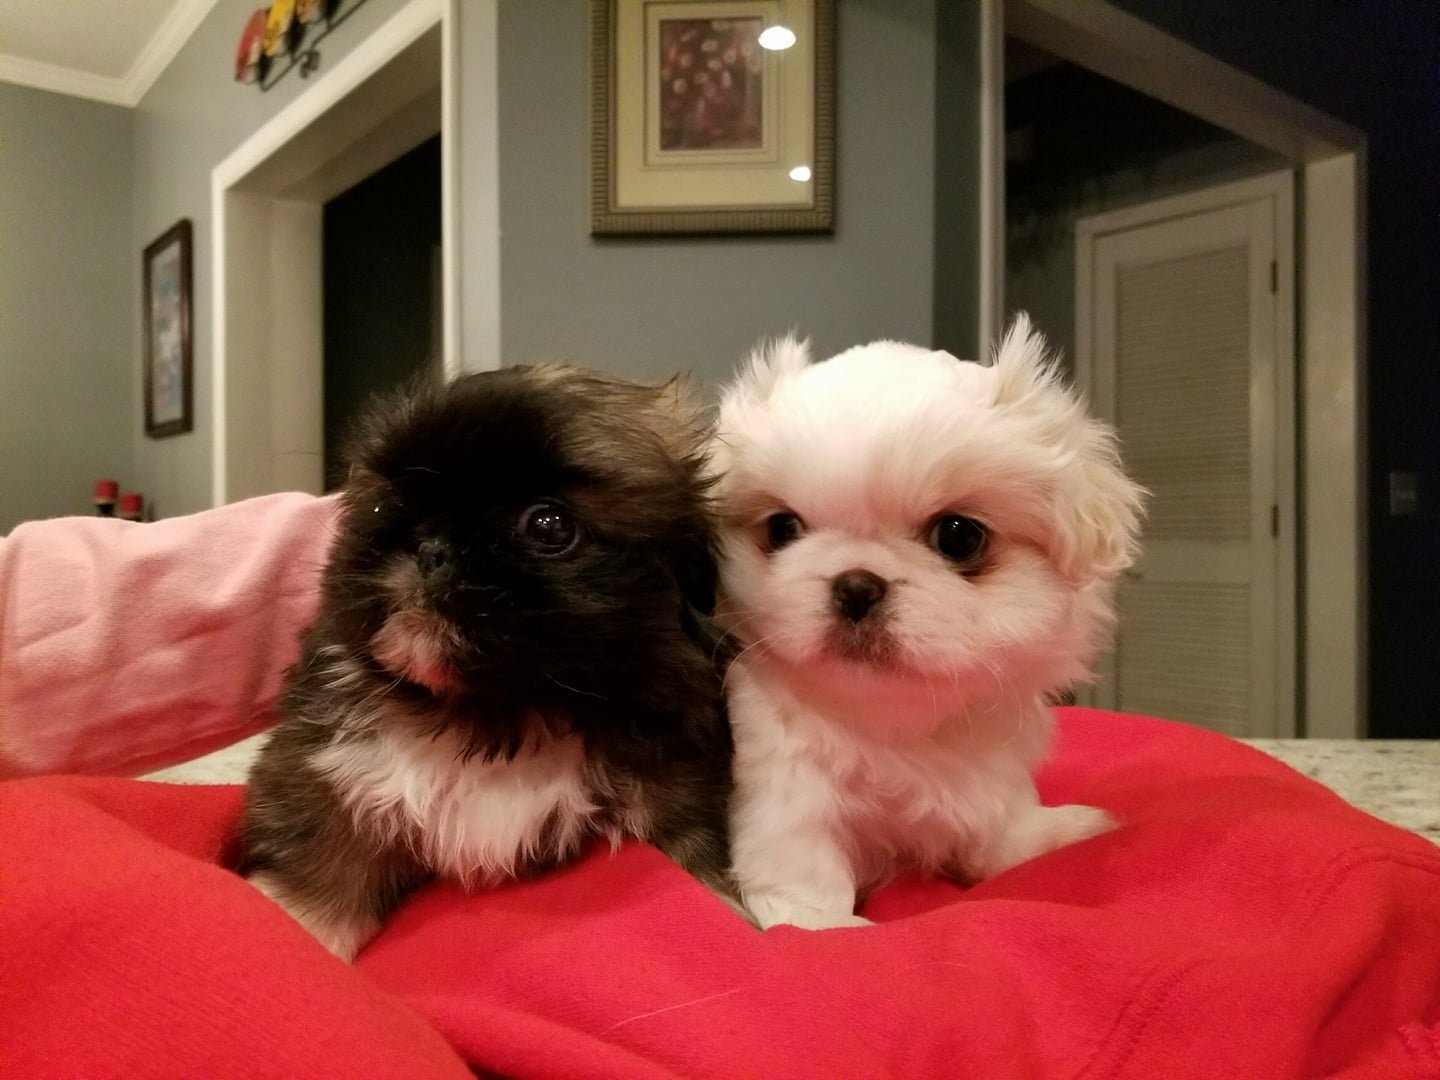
{"x":106,"y":492}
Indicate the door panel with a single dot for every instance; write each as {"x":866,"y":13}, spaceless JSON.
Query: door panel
{"x":1182,"y":359}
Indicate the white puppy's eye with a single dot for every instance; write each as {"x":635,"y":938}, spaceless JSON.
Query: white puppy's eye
{"x":781,"y":529}
{"x":959,"y":539}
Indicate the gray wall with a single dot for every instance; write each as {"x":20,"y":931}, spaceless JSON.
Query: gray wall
{"x":642,"y":307}
{"x":192,"y":119}
{"x":66,"y":315}
{"x":652,"y":306}
{"x":1044,"y":286}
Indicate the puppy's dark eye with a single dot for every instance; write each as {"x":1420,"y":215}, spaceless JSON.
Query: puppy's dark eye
{"x":959,"y":539}
{"x":389,"y":500}
{"x":781,"y":529}
{"x":549,"y":529}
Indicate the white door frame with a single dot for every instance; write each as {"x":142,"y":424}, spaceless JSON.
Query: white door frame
{"x":1330,"y":161}
{"x":267,"y":212}
{"x":1277,"y":475}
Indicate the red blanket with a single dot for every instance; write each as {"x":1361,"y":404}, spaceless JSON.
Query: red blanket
{"x":1244,"y":922}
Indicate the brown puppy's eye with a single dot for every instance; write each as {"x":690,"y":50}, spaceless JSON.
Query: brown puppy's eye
{"x":782,"y":529}
{"x":959,"y":539}
{"x":549,"y":529}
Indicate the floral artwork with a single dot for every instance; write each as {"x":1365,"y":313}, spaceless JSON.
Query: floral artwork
{"x":167,"y":382}
{"x":167,"y":360}
{"x":711,"y":82}
{"x":712,"y":116}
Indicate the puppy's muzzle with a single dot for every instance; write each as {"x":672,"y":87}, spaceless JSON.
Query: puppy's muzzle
{"x":856,"y":593}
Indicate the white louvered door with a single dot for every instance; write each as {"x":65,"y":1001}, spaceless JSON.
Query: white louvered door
{"x":1180,"y":345}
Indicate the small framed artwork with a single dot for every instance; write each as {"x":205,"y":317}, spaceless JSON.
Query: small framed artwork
{"x":168,"y":362}
{"x":712,"y":116}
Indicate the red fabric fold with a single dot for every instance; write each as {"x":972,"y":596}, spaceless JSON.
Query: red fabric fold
{"x":1242,"y":922}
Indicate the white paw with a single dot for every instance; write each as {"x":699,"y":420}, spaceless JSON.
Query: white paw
{"x":770,"y":910}
{"x":842,"y":922}
{"x":1072,"y":823}
{"x":1039,"y":831}
{"x":807,"y":921}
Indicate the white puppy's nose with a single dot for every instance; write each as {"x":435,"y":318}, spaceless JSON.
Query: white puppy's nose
{"x":856,"y":592}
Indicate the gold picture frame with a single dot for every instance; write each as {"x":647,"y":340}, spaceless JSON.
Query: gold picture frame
{"x":696,"y":127}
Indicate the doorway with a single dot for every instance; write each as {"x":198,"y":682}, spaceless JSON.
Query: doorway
{"x":1185,"y":344}
{"x":1327,"y":157}
{"x":383,"y":291}
{"x":389,"y":95}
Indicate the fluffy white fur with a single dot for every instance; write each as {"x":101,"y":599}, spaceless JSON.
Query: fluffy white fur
{"x":478,"y":820}
{"x":917,"y":751}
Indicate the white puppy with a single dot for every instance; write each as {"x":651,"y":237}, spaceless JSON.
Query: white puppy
{"x":915,"y":553}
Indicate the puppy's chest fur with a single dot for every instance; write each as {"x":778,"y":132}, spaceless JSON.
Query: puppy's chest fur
{"x":474,"y":820}
{"x":907,"y":802}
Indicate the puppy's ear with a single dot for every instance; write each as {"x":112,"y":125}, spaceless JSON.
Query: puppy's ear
{"x":693,"y":567}
{"x":768,"y":364}
{"x":1024,"y":368}
{"x":1096,"y":507}
{"x":1099,"y":511}
{"x":681,"y":418}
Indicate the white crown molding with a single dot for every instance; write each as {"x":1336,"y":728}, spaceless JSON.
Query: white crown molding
{"x":183,"y":20}
{"x":63,"y":80}
{"x":159,"y":51}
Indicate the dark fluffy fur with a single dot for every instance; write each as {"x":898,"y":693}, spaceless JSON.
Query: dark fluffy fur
{"x":611,"y":641}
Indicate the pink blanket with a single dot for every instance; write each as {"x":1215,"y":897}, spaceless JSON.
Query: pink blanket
{"x":125,"y":647}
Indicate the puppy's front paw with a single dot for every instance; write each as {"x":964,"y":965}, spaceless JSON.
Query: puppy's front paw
{"x":1076,"y":822}
{"x":770,"y":910}
{"x":844,"y":921}
{"x":1039,"y":831}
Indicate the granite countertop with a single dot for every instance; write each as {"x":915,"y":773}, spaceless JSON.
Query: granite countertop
{"x":227,"y":766}
{"x":1396,"y":780}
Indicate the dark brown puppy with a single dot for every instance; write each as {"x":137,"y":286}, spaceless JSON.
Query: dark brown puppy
{"x":514,"y":653}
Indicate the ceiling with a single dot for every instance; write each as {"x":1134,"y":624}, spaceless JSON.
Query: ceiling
{"x":94,"y":48}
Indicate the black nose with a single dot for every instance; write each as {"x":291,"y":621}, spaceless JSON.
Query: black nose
{"x":434,"y":557}
{"x":856,"y":592}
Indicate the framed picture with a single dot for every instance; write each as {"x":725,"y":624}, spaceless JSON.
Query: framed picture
{"x":712,"y":116}
{"x":169,"y":367}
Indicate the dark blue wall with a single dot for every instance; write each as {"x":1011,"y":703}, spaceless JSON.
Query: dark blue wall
{"x":1375,"y":65}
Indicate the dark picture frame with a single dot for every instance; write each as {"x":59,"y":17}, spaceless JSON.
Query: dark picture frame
{"x":695,"y":129}
{"x":167,"y":355}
